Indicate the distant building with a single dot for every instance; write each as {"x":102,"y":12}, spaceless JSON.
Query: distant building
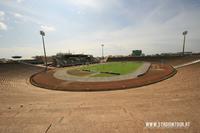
{"x":176,"y":54}
{"x":185,"y":53}
{"x":3,"y":60}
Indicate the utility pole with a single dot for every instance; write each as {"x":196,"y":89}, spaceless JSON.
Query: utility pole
{"x":42,"y":33}
{"x":184,"y":34}
{"x":102,"y":45}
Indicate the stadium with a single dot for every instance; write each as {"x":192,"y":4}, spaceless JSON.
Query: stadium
{"x":25,"y":107}
{"x":99,"y":66}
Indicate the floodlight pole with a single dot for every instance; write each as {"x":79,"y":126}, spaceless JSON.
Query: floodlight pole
{"x":42,"y":33}
{"x":102,"y":45}
{"x":184,"y":34}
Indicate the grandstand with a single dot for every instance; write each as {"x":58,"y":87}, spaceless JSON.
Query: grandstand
{"x":172,"y":59}
{"x":64,"y":60}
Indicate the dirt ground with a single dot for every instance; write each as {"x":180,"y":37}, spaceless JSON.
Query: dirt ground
{"x":28,"y":109}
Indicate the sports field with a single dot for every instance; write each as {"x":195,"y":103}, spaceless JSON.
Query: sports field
{"x":110,"y":68}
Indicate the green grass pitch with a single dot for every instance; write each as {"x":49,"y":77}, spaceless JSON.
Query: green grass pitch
{"x":113,"y":67}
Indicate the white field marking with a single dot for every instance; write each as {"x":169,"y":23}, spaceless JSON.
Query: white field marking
{"x":187,"y":64}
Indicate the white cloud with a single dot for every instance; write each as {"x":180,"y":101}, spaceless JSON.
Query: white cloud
{"x":2,"y":14}
{"x":3,"y":26}
{"x":23,"y":18}
{"x":17,"y":15}
{"x":19,"y":18}
{"x":19,"y":1}
{"x":87,"y":3}
{"x":97,"y":5}
{"x":47,"y":28}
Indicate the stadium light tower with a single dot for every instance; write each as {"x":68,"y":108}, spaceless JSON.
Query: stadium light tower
{"x":184,"y":34}
{"x":42,"y":33}
{"x":102,"y":45}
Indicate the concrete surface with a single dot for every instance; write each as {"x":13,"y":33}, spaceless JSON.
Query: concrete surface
{"x":28,"y":109}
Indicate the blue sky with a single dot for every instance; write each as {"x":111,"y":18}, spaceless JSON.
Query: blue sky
{"x":81,"y":26}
